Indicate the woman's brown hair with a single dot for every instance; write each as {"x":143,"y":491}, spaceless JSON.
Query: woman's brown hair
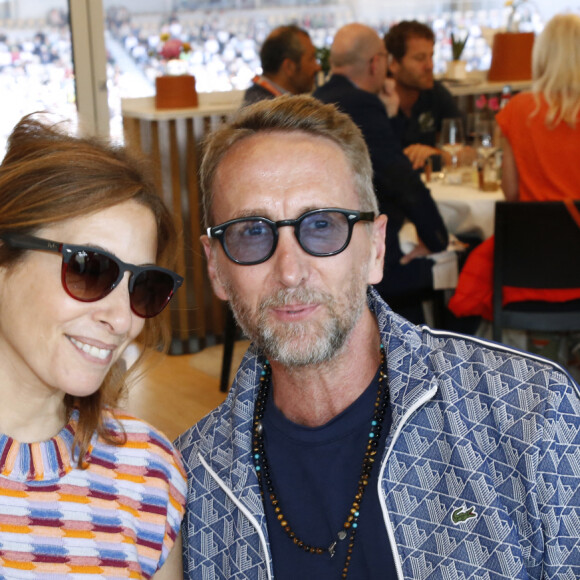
{"x":48,"y":176}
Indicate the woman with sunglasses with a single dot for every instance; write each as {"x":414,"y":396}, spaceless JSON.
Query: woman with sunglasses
{"x":84,"y":489}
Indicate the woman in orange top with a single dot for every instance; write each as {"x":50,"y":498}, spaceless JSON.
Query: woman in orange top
{"x":541,"y":131}
{"x":541,"y":140}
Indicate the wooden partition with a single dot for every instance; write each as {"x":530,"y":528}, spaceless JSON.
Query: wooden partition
{"x":172,"y":140}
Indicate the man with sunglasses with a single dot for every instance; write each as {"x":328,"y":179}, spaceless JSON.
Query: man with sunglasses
{"x":354,"y":444}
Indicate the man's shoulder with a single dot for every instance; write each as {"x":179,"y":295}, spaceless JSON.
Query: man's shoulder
{"x":472,"y":361}
{"x":205,"y":437}
{"x":439,"y":89}
{"x":435,"y":98}
{"x":230,"y":421}
{"x":255,"y":93}
{"x":448,"y":354}
{"x":340,"y":88}
{"x":364,"y":108}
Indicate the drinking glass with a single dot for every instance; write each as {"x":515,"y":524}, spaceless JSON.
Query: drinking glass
{"x":486,"y":147}
{"x":452,"y":142}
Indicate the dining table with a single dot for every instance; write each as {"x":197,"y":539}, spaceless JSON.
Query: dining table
{"x":466,"y":211}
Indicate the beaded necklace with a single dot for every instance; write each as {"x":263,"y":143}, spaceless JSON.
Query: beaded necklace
{"x":263,"y":469}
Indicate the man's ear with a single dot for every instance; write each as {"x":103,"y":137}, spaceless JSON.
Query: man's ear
{"x":378,"y":248}
{"x":212,"y":268}
{"x":288,"y":68}
{"x":372,"y":66}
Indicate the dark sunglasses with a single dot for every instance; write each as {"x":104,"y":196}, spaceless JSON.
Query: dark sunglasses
{"x":320,"y":232}
{"x":89,"y":274}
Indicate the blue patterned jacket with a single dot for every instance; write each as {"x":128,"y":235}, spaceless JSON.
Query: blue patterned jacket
{"x":480,"y":477}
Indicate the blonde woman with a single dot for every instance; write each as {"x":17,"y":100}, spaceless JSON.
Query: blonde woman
{"x":541,"y":140}
{"x":541,"y":127}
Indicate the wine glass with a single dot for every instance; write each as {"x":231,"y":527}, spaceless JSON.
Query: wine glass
{"x":485,"y":141}
{"x":452,"y":142}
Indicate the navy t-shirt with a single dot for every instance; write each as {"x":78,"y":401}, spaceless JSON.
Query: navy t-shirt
{"x":315,"y":472}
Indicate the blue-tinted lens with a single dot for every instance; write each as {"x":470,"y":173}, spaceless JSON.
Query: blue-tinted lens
{"x":249,"y":240}
{"x":324,"y":232}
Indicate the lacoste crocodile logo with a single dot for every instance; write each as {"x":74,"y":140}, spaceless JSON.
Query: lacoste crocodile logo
{"x":463,"y":514}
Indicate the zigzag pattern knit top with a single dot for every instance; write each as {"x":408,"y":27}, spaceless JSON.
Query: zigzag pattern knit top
{"x":116,"y":519}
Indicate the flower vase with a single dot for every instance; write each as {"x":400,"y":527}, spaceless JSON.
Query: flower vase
{"x":511,"y":56}
{"x":175,"y":92}
{"x":456,"y":69}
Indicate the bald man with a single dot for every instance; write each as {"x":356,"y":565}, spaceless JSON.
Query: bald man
{"x":360,"y":88}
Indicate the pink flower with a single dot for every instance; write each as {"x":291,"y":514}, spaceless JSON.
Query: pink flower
{"x":493,"y":104}
{"x":171,"y":49}
{"x":481,"y":102}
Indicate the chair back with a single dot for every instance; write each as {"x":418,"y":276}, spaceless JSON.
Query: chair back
{"x":537,"y":245}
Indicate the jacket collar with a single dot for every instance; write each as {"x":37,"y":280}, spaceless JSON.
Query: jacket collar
{"x":410,"y":374}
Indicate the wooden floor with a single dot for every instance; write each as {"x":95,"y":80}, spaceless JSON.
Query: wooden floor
{"x":177,"y":391}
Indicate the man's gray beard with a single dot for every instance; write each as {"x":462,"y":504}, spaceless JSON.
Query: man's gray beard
{"x":299,"y":344}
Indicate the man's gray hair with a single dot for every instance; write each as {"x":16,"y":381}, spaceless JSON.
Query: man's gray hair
{"x":289,"y":114}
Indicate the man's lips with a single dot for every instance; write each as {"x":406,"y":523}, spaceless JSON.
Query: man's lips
{"x":294,"y":311}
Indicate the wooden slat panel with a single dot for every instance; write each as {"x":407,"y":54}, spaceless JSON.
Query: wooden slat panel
{"x":182,"y":326}
{"x":200,"y":278}
{"x":132,"y":133}
{"x":155,"y":153}
{"x":174,"y":146}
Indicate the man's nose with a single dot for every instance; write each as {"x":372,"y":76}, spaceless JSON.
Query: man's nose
{"x":291,"y":262}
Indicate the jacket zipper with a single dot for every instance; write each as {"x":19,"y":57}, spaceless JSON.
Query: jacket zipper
{"x":390,"y":531}
{"x":245,"y":511}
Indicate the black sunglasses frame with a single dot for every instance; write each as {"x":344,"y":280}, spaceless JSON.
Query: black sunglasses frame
{"x":353,"y":216}
{"x":28,"y":242}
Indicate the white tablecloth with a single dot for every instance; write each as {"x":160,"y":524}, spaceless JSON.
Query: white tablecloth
{"x":465,"y":209}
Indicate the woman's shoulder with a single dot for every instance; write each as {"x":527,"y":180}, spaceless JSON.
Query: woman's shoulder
{"x":135,"y":428}
{"x":141,"y":442}
{"x":519,"y":101}
{"x":517,"y":110}
{"x":523,"y":97}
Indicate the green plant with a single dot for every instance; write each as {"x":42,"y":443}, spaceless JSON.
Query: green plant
{"x":323,"y":56}
{"x":457,"y":46}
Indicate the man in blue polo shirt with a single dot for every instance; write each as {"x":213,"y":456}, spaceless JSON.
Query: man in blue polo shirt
{"x":423,"y":101}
